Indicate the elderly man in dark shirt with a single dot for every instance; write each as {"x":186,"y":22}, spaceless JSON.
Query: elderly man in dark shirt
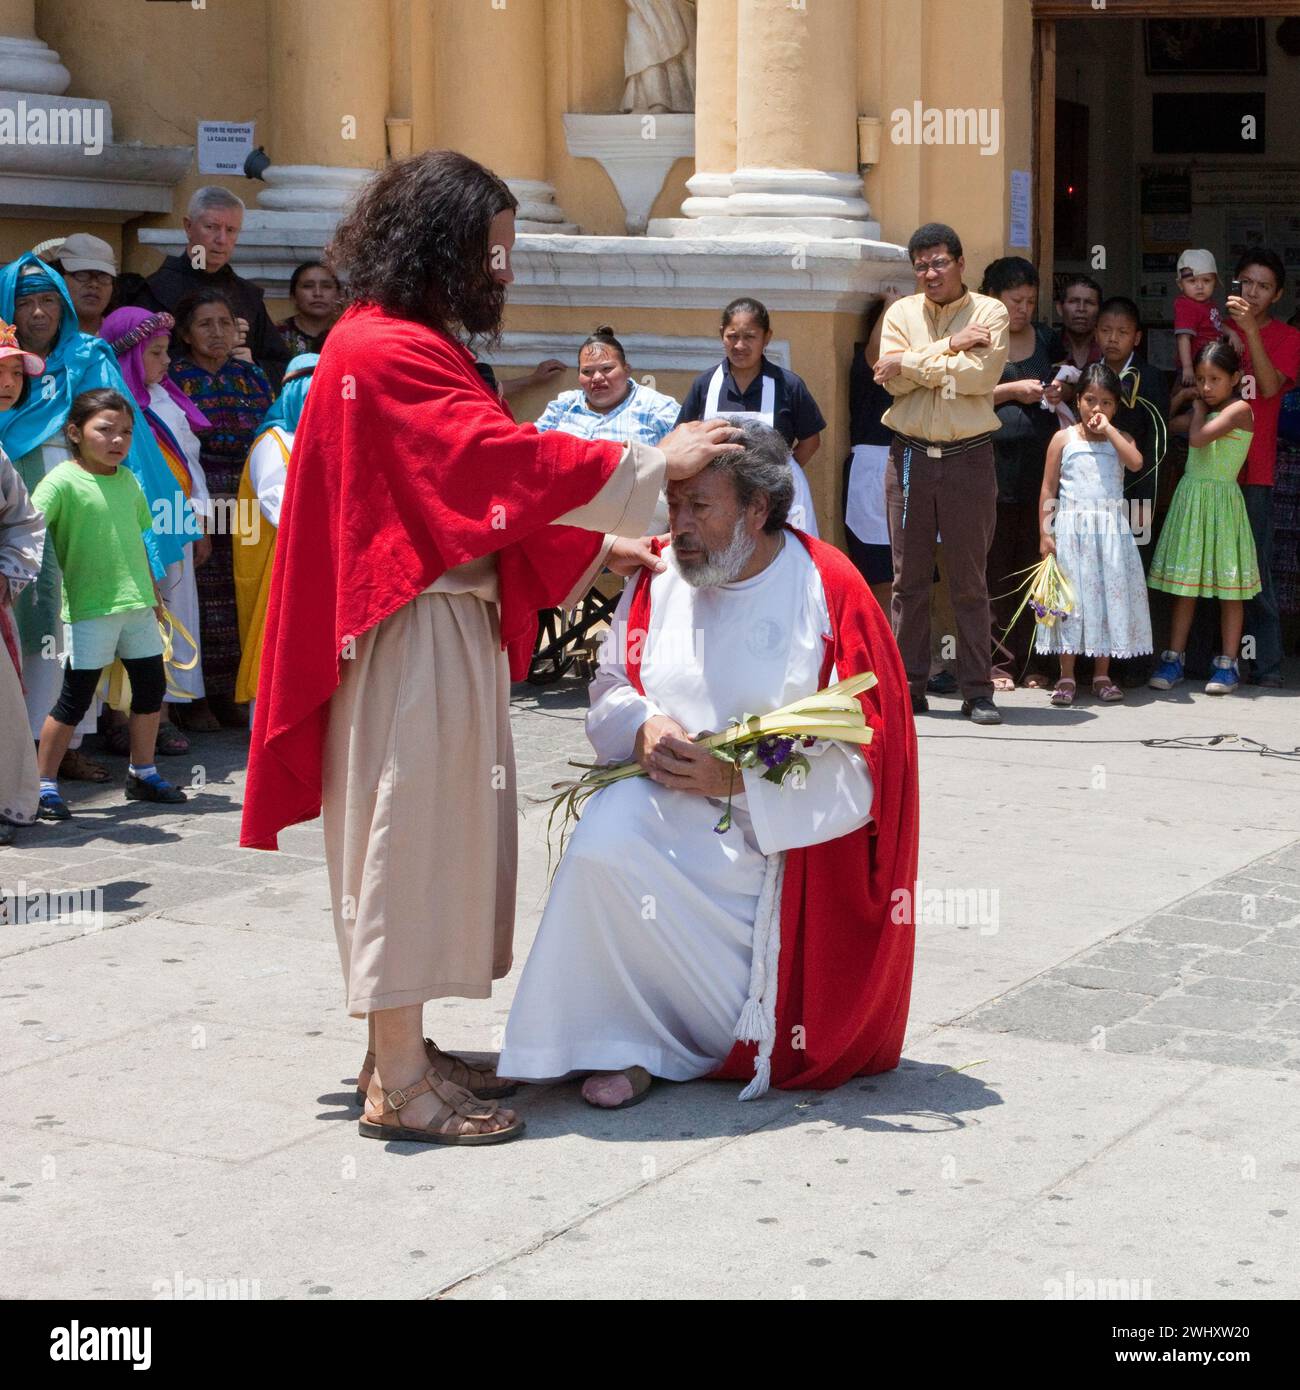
{"x":212,"y":225}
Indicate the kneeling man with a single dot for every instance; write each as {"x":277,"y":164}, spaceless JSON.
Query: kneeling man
{"x":779,"y":949}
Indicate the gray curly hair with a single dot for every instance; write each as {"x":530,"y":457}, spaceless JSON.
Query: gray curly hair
{"x":761,"y":463}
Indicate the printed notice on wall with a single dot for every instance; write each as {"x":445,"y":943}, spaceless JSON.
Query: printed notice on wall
{"x":1021,"y":185}
{"x":223,"y":146}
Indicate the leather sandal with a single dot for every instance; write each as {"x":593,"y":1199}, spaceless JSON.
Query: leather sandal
{"x":385,"y":1122}
{"x":118,"y":739}
{"x":196,"y":718}
{"x":1105,"y":690}
{"x":170,"y":741}
{"x":462,"y":1074}
{"x":76,"y":767}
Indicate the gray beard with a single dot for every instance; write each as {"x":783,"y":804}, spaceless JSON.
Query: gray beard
{"x":722,"y":566}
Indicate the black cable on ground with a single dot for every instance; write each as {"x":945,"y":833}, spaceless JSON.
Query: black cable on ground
{"x":1195,"y":741}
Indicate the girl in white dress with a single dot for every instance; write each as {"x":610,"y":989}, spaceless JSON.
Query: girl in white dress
{"x":1084,"y":524}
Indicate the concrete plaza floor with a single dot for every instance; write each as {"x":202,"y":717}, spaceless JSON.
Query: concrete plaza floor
{"x":1099,"y":1090}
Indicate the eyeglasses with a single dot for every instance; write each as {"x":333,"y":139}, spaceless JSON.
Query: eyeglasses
{"x":90,"y":277}
{"x":939,"y":264}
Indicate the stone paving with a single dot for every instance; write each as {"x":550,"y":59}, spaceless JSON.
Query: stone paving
{"x":1214,"y":977}
{"x":1093,"y":1085}
{"x":146,"y":859}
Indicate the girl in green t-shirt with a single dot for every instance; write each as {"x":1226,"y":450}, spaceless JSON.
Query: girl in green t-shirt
{"x":96,"y":516}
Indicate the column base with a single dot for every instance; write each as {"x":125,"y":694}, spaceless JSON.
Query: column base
{"x":709,"y":193}
{"x":538,"y":211}
{"x":298,"y":188}
{"x":59,"y":155}
{"x":795,"y":202}
{"x":28,"y":65}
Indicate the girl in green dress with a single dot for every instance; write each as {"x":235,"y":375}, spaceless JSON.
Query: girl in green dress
{"x":1206,"y":549}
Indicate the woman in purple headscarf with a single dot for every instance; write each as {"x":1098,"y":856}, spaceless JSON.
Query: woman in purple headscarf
{"x":140,"y":338}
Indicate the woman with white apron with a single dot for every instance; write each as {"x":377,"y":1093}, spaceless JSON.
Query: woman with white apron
{"x":866,"y":520}
{"x":747,"y":386}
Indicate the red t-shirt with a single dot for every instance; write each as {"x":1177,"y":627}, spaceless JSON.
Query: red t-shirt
{"x":1282,"y":343}
{"x":1200,"y":319}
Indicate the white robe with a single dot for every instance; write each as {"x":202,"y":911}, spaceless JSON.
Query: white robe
{"x":644,"y":951}
{"x":178,"y":585}
{"x":268,"y":473}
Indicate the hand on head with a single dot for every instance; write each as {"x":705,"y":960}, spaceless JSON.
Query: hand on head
{"x":694,"y":445}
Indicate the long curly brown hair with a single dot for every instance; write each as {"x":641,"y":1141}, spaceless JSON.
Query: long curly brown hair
{"x":416,"y":243}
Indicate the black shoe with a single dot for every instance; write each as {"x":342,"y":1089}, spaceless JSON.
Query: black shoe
{"x":920,"y":705}
{"x":981,"y":710}
{"x":137,"y":789}
{"x":1272,"y":681}
{"x":942,"y":683}
{"x":6,"y":833}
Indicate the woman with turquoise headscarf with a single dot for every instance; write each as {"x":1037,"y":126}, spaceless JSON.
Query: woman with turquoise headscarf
{"x":35,"y":298}
{"x":257,"y":517}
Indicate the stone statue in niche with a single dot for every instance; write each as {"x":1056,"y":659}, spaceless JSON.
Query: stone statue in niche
{"x":659,"y":56}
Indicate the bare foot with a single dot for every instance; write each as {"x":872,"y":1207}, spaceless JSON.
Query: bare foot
{"x":610,"y":1089}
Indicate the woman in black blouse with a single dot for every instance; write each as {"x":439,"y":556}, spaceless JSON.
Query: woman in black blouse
{"x":746,"y":384}
{"x":1019,"y":453}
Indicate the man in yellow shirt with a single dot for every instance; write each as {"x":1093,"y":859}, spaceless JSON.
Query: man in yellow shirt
{"x":941,"y":354}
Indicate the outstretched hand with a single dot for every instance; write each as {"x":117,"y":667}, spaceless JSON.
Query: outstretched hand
{"x":626,"y":557}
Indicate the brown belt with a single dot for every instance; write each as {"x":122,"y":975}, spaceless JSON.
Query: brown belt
{"x":934,"y":451}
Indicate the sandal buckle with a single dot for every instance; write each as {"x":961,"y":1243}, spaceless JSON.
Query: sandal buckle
{"x":394,"y":1100}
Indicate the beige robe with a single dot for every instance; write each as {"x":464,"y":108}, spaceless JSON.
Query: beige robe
{"x":418,"y":795}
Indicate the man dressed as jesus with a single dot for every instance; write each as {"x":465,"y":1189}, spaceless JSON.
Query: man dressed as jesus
{"x":780,"y":949}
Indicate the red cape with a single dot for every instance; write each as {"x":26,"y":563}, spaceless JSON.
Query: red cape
{"x":847,"y":934}
{"x":405,"y":464}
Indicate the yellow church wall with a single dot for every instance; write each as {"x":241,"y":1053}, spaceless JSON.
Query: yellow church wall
{"x":584,"y":73}
{"x":19,"y":234}
{"x":948,"y":53}
{"x":163,"y":68}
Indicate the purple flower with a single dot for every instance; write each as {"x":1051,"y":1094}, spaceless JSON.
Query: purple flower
{"x":773,"y":750}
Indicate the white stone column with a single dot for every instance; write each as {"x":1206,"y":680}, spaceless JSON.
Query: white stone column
{"x":27,"y":64}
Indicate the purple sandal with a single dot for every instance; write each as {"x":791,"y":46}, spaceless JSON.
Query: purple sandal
{"x":1063,"y":693}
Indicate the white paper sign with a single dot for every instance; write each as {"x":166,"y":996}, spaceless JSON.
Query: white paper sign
{"x":223,"y":146}
{"x":1021,"y":186}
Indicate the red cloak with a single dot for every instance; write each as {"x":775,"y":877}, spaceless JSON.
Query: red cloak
{"x":405,"y":464}
{"x":847,"y":936}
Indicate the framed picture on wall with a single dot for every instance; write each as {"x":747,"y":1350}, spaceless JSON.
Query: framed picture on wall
{"x":1196,"y":47}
